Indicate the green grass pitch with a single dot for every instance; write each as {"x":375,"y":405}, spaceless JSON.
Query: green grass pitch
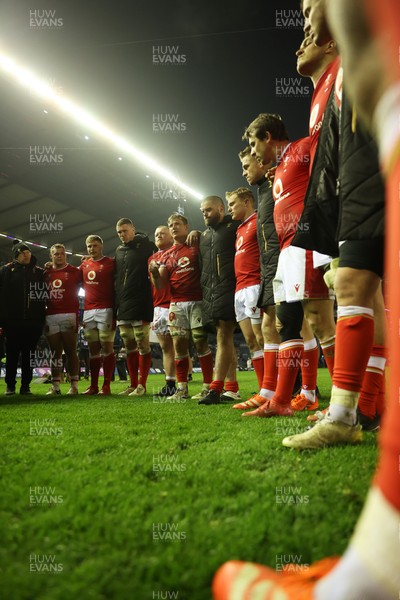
{"x":115,"y":498}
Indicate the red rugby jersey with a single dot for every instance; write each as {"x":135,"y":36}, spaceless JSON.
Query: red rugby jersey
{"x":289,"y":189}
{"x":318,"y":104}
{"x":247,"y":256}
{"x":182,"y":264}
{"x":98,"y":282}
{"x":160,"y":297}
{"x":62,"y":287}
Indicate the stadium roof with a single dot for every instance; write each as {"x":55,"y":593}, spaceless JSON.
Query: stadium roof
{"x":178,"y":81}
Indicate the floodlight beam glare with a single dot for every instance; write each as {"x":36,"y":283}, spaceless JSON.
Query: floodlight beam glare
{"x":44,"y":90}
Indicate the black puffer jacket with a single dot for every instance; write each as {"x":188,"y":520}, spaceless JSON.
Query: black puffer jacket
{"x":345,"y":195}
{"x":361,"y":187}
{"x":317,"y":228}
{"x":22,"y":294}
{"x":217,"y":252}
{"x":268,"y":243}
{"x":132,"y":285}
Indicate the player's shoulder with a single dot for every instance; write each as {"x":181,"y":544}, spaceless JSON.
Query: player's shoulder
{"x":71,"y":268}
{"x":105,"y":260}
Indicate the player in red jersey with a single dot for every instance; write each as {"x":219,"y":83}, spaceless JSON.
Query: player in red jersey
{"x":367,"y":570}
{"x":268,"y":246}
{"x":311,"y":60}
{"x":241,"y":207}
{"x":180,"y":267}
{"x":296,"y":283}
{"x":324,"y":77}
{"x":63,"y":282}
{"x":321,"y":64}
{"x":98,"y":317}
{"x":161,"y":301}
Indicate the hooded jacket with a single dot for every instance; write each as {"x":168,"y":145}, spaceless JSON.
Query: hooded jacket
{"x":217,"y":253}
{"x":132,"y":284}
{"x":22,"y":294}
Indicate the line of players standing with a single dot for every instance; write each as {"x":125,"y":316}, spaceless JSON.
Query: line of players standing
{"x":262,"y":269}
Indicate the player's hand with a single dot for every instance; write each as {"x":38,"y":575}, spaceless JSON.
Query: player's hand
{"x":193,"y":238}
{"x":153,"y":267}
{"x":48,"y":265}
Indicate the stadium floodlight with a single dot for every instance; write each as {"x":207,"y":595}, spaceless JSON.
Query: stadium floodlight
{"x":42,"y":89}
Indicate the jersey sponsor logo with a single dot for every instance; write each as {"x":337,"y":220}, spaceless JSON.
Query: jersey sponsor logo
{"x":297,"y":287}
{"x":277,"y":189}
{"x":239,"y":242}
{"x":57,"y":283}
{"x":171,"y":316}
{"x":91,"y":275}
{"x":183,"y":261}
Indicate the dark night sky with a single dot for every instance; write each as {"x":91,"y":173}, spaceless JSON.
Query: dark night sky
{"x":102,"y":56}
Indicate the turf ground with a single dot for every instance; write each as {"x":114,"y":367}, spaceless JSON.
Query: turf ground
{"x":115,"y":498}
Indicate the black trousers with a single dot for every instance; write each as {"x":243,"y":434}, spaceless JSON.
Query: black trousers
{"x":21,"y":340}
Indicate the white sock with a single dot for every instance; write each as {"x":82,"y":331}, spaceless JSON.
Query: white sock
{"x":343,"y":406}
{"x":265,"y":393}
{"x":309,"y":394}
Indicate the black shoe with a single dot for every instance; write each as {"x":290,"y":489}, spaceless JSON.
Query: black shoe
{"x":213,"y":397}
{"x":368,"y":423}
{"x":167,"y":390}
{"x":9,"y":391}
{"x":25,"y":391}
{"x":190,"y":377}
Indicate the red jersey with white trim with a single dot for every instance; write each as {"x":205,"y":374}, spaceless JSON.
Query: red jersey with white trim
{"x":247,"y":256}
{"x":62,"y":290}
{"x":182,"y":264}
{"x":98,"y":282}
{"x":160,"y":297}
{"x":339,"y":88}
{"x":289,"y":189}
{"x":318,"y":104}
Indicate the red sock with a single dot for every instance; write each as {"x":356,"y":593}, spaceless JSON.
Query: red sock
{"x":270,"y":376}
{"x":217,"y":385}
{"x":144,"y":367}
{"x":388,"y":475}
{"x":381,"y":399}
{"x":372,"y":382}
{"x":328,"y":350}
{"x":232,"y":386}
{"x":132,"y":360}
{"x":182,"y":368}
{"x":289,"y":360}
{"x":95,"y":365}
{"x":108,"y":367}
{"x":309,"y":365}
{"x":258,"y":363}
{"x":354,"y":338}
{"x":207,"y":365}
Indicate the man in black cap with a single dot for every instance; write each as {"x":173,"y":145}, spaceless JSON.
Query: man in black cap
{"x":22,"y":307}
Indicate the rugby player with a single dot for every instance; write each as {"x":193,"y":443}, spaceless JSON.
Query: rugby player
{"x":63,"y":282}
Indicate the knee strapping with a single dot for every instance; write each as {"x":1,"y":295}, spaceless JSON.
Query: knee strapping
{"x":290,"y":315}
{"x":91,"y":335}
{"x":127,"y":334}
{"x":198,"y":334}
{"x":141,"y":332}
{"x":106,"y":335}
